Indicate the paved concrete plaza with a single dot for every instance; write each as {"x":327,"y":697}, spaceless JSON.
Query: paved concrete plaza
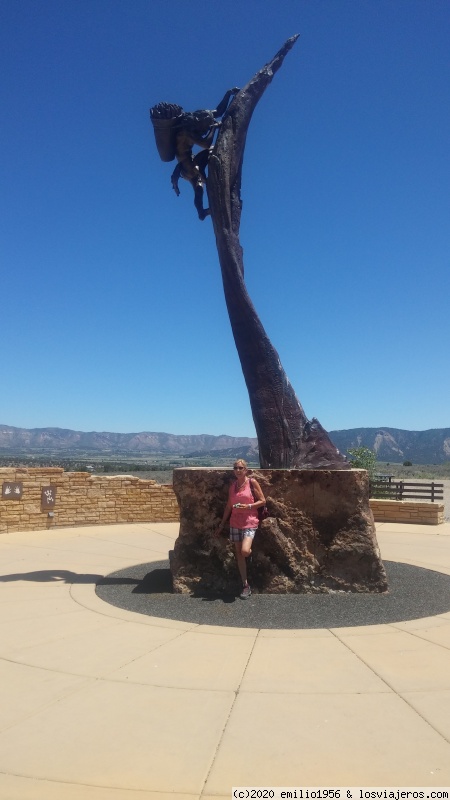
{"x":101,"y":703}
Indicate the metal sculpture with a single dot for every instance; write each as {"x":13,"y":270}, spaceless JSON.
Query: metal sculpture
{"x":177,"y":132}
{"x":287,"y":439}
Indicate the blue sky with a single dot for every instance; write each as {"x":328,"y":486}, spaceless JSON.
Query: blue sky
{"x":112,"y":309}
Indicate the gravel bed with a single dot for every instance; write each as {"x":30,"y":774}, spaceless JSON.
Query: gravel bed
{"x":414,"y":592}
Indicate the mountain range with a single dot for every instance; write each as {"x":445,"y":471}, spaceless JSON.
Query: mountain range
{"x":390,"y":444}
{"x":62,"y":440}
{"x":396,"y":445}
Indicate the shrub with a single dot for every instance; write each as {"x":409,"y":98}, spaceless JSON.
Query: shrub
{"x":363,"y":458}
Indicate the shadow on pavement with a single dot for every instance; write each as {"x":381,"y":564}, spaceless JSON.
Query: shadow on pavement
{"x":65,"y":576}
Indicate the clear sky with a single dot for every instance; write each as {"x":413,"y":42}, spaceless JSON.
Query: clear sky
{"x":112,"y":309}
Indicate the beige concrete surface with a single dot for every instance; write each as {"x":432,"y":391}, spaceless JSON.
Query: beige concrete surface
{"x":98,"y":703}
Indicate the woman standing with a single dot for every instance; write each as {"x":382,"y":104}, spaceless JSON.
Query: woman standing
{"x":244,"y":499}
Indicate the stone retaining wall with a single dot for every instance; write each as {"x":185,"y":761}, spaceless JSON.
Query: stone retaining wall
{"x":83,"y":499}
{"x":407,"y":511}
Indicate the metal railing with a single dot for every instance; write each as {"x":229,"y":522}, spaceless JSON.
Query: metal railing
{"x":382,"y":487}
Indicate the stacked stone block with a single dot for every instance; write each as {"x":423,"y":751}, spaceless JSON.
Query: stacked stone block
{"x":83,"y":499}
{"x":407,"y":511}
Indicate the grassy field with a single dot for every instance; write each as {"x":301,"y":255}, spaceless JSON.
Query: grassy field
{"x":425,"y":472}
{"x":163,"y":473}
{"x":160,"y":467}
{"x":156,"y":467}
{"x":428,"y":472}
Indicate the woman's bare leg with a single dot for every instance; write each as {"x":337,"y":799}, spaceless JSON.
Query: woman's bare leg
{"x":246,"y":546}
{"x":240,"y":558}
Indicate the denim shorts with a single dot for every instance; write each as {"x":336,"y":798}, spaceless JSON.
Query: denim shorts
{"x":237,"y":535}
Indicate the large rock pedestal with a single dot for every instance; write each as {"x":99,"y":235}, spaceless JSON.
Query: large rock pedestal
{"x":319,"y":536}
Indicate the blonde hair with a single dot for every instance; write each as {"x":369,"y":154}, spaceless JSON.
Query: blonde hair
{"x":240,"y":461}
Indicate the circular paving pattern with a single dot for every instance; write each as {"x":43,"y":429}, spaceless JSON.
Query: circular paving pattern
{"x":413,"y":593}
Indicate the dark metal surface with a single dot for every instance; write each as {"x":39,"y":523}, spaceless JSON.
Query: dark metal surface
{"x":286,"y":437}
{"x":12,"y":490}
{"x":48,"y":497}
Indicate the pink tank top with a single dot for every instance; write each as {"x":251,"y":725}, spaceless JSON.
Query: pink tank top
{"x":243,"y":517}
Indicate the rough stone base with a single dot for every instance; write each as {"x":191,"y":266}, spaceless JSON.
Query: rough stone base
{"x":319,"y":536}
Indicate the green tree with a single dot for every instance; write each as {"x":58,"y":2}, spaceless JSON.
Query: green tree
{"x":363,"y":458}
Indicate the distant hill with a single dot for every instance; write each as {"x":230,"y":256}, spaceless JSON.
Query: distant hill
{"x":396,"y":445}
{"x":390,"y":444}
{"x":60,"y":440}
{"x":249,"y":453}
